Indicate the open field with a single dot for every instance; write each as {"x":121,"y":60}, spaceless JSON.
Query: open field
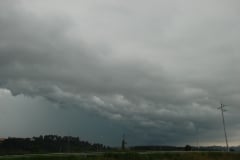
{"x":130,"y":156}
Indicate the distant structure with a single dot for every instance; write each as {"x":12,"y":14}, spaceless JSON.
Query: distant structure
{"x":123,"y":142}
{"x":197,"y":139}
{"x":221,"y":108}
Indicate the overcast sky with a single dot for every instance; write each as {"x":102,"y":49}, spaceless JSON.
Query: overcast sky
{"x":155,"y":70}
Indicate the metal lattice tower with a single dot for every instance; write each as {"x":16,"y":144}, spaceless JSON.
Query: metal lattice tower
{"x":123,"y":142}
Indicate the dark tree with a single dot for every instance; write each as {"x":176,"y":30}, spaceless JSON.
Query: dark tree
{"x":188,"y":148}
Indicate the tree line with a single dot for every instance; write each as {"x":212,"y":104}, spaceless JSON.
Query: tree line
{"x":48,"y":144}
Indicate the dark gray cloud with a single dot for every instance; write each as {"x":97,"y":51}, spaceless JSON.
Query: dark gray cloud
{"x":159,"y":68}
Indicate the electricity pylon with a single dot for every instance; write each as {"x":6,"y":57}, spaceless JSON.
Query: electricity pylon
{"x":223,"y":121}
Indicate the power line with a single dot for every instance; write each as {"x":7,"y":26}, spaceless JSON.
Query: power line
{"x":221,"y":108}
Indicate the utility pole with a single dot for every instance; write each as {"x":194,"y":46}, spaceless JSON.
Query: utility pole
{"x":223,"y":121}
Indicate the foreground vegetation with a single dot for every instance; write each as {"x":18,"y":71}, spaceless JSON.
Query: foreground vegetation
{"x":131,"y":156}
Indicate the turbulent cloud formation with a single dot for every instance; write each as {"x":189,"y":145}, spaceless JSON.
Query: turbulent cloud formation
{"x":161,"y":68}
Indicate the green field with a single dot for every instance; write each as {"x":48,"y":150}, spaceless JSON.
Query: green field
{"x":131,"y":156}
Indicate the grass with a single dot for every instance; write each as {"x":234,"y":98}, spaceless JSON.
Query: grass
{"x":131,"y":156}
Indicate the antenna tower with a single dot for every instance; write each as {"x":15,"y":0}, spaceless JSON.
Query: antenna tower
{"x":123,"y":142}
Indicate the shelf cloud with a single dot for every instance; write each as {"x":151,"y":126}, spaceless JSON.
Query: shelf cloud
{"x":160,"y":68}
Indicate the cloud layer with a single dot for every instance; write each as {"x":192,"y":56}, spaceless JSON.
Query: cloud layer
{"x":161,"y":68}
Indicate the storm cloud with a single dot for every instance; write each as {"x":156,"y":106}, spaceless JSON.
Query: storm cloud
{"x":160,"y":68}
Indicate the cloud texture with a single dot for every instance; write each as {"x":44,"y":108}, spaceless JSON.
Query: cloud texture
{"x":159,"y":67}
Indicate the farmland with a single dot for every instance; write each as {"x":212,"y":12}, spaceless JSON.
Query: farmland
{"x":129,"y":156}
